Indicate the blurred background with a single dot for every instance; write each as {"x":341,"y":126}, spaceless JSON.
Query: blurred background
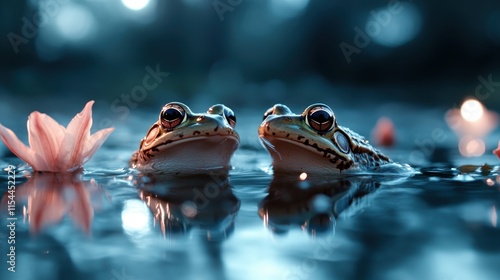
{"x":245,"y":52}
{"x":408,"y":60}
{"x":412,"y":62}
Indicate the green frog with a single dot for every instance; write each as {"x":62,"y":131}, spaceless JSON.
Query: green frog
{"x":313,"y":142}
{"x":184,"y":142}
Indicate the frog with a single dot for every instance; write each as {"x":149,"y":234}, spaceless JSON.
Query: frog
{"x":313,"y":142}
{"x":183,"y":142}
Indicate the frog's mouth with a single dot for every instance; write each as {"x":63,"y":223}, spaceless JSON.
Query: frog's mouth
{"x":294,"y":156}
{"x":212,"y":139}
{"x":195,"y":154}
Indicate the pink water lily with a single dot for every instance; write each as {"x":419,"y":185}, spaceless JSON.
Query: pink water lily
{"x":53,"y":147}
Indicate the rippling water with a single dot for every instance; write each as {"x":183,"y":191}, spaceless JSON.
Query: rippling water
{"x":114,"y":224}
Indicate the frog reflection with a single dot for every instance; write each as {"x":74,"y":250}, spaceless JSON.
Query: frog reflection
{"x":312,"y":204}
{"x":202,"y":202}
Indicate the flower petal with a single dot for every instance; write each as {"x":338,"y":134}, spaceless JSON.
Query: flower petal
{"x":95,"y":142}
{"x":77,"y":134}
{"x":18,"y":148}
{"x":45,"y":137}
{"x":81,"y":207}
{"x":46,"y":206}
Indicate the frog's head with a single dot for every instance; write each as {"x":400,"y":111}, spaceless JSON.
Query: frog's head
{"x":313,"y":141}
{"x":183,"y":140}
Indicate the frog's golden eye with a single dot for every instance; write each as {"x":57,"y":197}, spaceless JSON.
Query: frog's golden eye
{"x":230,"y":117}
{"x":342,"y":142}
{"x":320,"y":118}
{"x":171,"y":116}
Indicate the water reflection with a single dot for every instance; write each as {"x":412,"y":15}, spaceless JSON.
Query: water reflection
{"x":313,"y":204}
{"x":493,"y":216}
{"x":47,"y":197}
{"x":135,"y":220}
{"x":202,"y":202}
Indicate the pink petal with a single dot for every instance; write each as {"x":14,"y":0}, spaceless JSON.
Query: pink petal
{"x":45,"y":206}
{"x":45,"y":137}
{"x":81,"y":207}
{"x":77,"y":134}
{"x":18,"y":148}
{"x":497,"y":150}
{"x":95,"y":142}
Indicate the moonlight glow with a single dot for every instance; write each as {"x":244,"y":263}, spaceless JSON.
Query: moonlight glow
{"x":135,"y":4}
{"x":471,"y":110}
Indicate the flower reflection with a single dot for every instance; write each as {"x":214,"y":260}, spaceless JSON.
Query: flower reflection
{"x":314,"y":209}
{"x":202,"y":202}
{"x":47,"y":197}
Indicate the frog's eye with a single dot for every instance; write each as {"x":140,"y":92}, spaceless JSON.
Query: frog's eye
{"x":230,"y":117}
{"x":320,"y":118}
{"x":172,"y":116}
{"x":268,"y":113}
{"x":342,"y":142}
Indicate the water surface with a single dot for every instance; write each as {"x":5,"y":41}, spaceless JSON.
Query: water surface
{"x":114,"y":224}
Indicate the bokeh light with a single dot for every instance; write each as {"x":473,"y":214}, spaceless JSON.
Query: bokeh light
{"x":471,"y":147}
{"x":135,"y":4}
{"x":288,"y":8}
{"x":383,"y":133}
{"x":471,"y":110}
{"x":393,"y":29}
{"x":321,"y":203}
{"x":189,"y":209}
{"x":74,"y":22}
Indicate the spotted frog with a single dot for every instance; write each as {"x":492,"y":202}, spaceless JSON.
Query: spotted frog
{"x":312,"y":142}
{"x":184,"y":142}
